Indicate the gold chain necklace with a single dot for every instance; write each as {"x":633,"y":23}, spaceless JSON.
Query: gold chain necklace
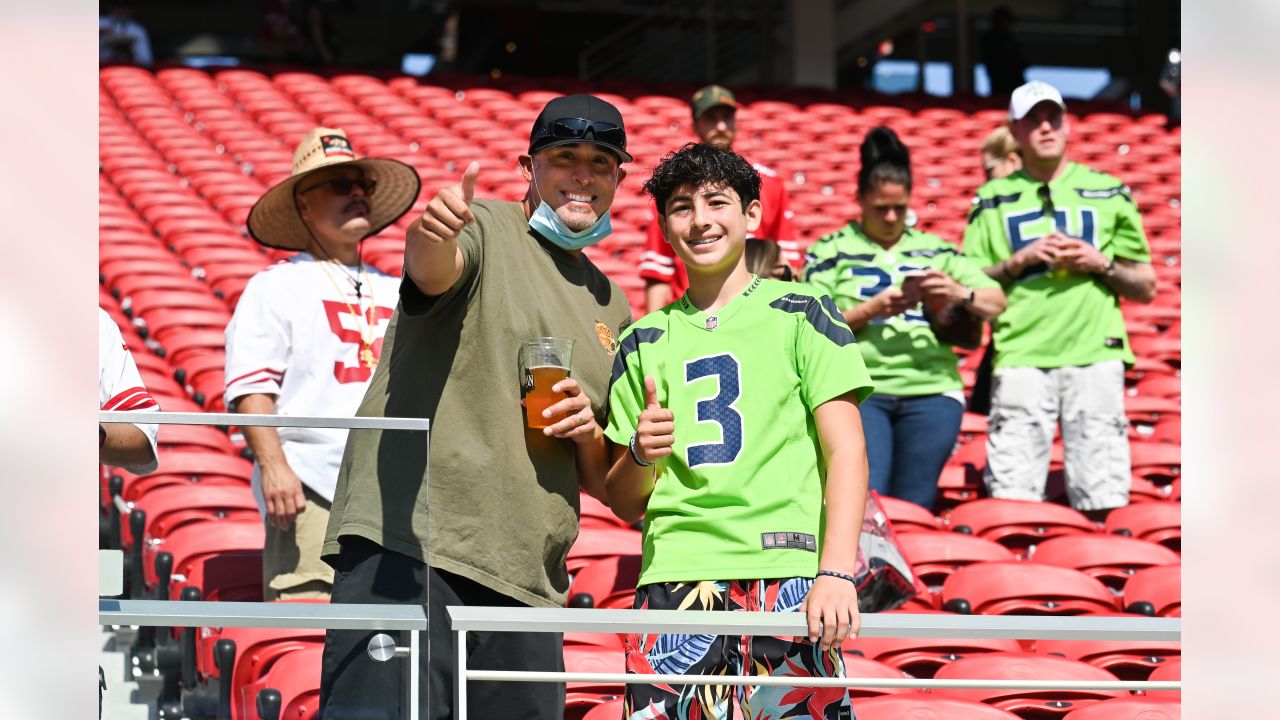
{"x":365,"y":326}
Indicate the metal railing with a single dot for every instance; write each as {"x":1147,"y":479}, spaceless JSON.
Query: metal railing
{"x":467,"y":619}
{"x":413,"y":619}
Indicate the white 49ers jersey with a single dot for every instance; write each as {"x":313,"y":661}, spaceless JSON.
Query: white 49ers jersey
{"x":301,"y":334}
{"x":119,"y":384}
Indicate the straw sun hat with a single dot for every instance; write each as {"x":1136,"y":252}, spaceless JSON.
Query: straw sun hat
{"x":274,"y":220}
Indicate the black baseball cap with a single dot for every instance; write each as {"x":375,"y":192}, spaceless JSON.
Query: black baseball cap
{"x":576,"y":119}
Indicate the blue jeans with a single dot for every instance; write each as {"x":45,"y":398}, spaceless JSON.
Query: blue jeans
{"x":908,"y":441}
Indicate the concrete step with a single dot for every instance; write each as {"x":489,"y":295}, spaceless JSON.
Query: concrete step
{"x":122,"y":699}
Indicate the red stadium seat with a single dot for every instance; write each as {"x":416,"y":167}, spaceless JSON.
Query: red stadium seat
{"x":601,"y":543}
{"x":296,"y":675}
{"x":257,"y":650}
{"x":1158,"y":462}
{"x":1171,"y":670}
{"x":857,"y":666}
{"x":921,"y":658}
{"x":1154,"y":522}
{"x":1155,"y":591}
{"x":926,"y":706}
{"x":1113,"y":559}
{"x":1018,"y":524}
{"x":1129,"y":709}
{"x":1126,"y":659}
{"x":222,"y":559}
{"x":581,"y":697}
{"x":185,"y":468}
{"x":610,"y":581}
{"x":195,"y":297}
{"x":907,"y":517}
{"x":161,"y":321}
{"x":935,"y":555}
{"x":607,"y":710}
{"x":596,"y":515}
{"x":169,"y":508}
{"x":1024,"y":588}
{"x":1027,"y":666}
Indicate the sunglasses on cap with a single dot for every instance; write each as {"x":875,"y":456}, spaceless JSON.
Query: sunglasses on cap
{"x":344,"y":186}
{"x":578,"y":128}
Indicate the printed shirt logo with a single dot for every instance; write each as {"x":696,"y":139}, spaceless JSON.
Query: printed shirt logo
{"x":713,"y":322}
{"x":335,"y":145}
{"x":788,"y":541}
{"x":605,"y":335}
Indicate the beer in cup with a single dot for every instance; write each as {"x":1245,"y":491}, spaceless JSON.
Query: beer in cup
{"x":544,"y":362}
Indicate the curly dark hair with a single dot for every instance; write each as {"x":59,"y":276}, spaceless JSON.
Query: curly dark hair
{"x":698,"y":164}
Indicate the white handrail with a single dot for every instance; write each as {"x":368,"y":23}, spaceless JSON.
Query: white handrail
{"x":470,"y":619}
{"x":413,"y":619}
{"x":956,"y":683}
{"x":723,"y":622}
{"x":254,"y":420}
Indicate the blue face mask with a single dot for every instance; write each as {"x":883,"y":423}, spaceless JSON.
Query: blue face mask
{"x":549,"y":225}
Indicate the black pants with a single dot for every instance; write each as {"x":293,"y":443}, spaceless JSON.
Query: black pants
{"x":355,"y":687}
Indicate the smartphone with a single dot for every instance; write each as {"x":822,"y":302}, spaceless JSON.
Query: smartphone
{"x":911,"y":286}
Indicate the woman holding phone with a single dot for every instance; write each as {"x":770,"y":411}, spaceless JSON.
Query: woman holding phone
{"x":883,"y":275}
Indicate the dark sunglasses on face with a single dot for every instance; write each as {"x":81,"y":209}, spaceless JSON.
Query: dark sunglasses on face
{"x":783,"y":272}
{"x":578,"y":128}
{"x":344,"y":186}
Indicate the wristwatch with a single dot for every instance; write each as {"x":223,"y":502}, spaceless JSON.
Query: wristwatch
{"x":968,"y":301}
{"x":1110,"y":271}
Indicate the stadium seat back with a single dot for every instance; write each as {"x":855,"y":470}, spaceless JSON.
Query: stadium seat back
{"x":1113,"y":559}
{"x":1159,"y":586}
{"x":1025,"y":588}
{"x":1017,"y":524}
{"x":1027,"y":666}
{"x":921,"y":658}
{"x":1130,"y":709}
{"x":935,"y":555}
{"x":926,"y":706}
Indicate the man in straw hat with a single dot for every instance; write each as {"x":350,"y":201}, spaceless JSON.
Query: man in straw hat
{"x":490,"y":519}
{"x":305,"y":338}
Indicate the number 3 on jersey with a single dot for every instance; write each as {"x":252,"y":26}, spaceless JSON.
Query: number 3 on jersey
{"x":718,"y":409}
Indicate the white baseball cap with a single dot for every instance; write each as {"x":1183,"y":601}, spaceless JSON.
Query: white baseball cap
{"x":1027,"y":96}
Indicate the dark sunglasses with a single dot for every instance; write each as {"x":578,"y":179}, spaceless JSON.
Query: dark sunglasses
{"x":1046,"y":200}
{"x":578,"y":128}
{"x":783,"y":272}
{"x":344,"y":186}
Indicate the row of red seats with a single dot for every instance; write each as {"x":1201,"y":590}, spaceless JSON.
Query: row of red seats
{"x":186,"y":153}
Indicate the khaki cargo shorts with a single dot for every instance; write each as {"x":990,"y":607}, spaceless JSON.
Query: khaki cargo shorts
{"x":1027,"y":405}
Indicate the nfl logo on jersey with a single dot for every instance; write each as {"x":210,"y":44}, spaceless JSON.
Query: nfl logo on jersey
{"x":713,"y":322}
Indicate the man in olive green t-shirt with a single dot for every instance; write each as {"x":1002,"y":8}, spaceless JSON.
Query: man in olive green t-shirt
{"x":489,"y":518}
{"x":1067,"y":243}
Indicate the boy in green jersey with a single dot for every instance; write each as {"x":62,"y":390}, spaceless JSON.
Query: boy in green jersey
{"x":735,"y":415}
{"x":1067,"y":243}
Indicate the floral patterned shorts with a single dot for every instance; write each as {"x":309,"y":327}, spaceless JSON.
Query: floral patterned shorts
{"x":730,"y":655}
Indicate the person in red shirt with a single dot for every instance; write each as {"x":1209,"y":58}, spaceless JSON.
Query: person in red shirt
{"x":714,"y":109}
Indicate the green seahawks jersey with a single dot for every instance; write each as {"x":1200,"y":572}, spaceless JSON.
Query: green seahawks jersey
{"x":1055,"y":317}
{"x":741,"y":495}
{"x":901,"y":352}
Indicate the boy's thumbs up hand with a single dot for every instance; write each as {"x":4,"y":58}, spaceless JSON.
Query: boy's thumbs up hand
{"x":655,"y":431}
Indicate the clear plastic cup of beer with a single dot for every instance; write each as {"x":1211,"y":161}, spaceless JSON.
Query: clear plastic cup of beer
{"x":544,"y":361}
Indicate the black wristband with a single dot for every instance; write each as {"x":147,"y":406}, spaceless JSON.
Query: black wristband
{"x":840,"y":575}
{"x":632,"y":447}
